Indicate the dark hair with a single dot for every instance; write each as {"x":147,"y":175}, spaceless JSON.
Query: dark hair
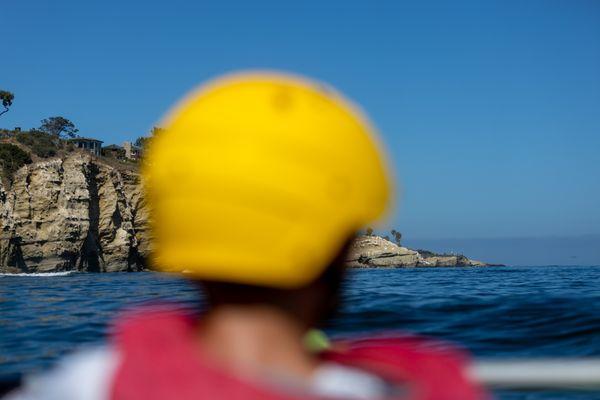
{"x":312,"y":303}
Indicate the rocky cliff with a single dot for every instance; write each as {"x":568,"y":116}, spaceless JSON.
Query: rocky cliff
{"x":375,"y":251}
{"x":75,"y":213}
{"x":79,"y":213}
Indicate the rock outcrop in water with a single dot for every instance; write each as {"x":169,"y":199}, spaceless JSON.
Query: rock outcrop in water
{"x":74,"y":213}
{"x":78,"y":213}
{"x":375,"y":251}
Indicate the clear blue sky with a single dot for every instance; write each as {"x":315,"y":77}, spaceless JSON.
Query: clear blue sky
{"x":490,"y":109}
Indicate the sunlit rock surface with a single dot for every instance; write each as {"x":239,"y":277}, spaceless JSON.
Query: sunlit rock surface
{"x":74,"y":213}
{"x":375,"y":251}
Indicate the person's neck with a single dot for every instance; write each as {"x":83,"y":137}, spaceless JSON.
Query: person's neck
{"x":255,"y":340}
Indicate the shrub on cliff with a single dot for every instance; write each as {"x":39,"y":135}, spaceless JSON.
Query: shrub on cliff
{"x":12,"y":158}
{"x":41,"y":144}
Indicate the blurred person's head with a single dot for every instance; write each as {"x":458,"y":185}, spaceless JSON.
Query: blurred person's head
{"x":257,"y":184}
{"x":311,"y":304}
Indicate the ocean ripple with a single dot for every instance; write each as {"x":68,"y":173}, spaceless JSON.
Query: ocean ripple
{"x":493,"y":312}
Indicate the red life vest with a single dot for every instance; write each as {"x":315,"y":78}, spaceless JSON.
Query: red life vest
{"x":162,"y":360}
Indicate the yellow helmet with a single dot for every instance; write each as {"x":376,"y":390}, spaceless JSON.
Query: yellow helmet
{"x":260,"y":179}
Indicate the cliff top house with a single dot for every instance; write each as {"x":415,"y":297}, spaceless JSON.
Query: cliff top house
{"x":114,"y":151}
{"x":92,"y":145}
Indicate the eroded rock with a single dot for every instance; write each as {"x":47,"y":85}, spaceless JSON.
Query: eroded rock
{"x":71,"y":214}
{"x":374,"y":251}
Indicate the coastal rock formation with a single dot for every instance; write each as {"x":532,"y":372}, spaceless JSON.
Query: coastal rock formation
{"x":374,"y":251}
{"x":450,"y":261}
{"x":78,"y":213}
{"x":74,"y":213}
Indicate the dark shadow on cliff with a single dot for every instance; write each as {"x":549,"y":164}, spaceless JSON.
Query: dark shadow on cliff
{"x":90,"y":255}
{"x":15,"y":255}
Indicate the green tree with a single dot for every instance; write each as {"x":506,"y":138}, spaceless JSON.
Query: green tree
{"x":397,"y":236}
{"x":59,"y":126}
{"x":7,"y":99}
{"x":369,"y":231}
{"x":143,"y":141}
{"x":156,"y":131}
{"x":12,"y":158}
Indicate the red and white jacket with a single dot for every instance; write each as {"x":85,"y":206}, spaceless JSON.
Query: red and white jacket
{"x":154,"y":355}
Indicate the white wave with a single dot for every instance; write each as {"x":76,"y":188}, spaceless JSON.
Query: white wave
{"x":63,"y":273}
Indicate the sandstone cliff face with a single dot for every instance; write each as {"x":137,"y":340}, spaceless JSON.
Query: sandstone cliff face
{"x":72,"y":214}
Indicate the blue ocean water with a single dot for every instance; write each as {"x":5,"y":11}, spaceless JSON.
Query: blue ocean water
{"x":493,"y":312}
